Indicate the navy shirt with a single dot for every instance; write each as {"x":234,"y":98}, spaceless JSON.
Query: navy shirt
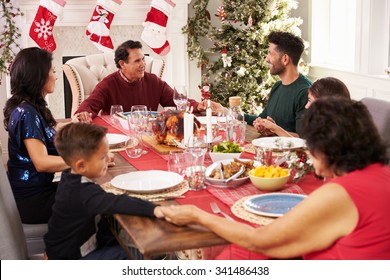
{"x":27,"y":123}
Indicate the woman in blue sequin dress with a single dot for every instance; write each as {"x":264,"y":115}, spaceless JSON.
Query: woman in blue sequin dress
{"x":33,"y":159}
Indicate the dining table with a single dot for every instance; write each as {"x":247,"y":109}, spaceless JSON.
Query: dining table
{"x":156,"y":237}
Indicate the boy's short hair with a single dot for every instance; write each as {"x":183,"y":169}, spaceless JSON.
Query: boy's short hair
{"x":78,"y":139}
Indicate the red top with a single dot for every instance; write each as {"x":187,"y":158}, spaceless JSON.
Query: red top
{"x":370,"y":191}
{"x":113,"y":89}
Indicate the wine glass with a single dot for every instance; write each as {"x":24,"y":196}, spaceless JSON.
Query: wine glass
{"x":138,"y":121}
{"x":114,"y":110}
{"x":197,"y":148}
{"x":222,"y":124}
{"x":180,"y":97}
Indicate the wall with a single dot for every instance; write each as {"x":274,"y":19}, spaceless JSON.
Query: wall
{"x":69,"y":34}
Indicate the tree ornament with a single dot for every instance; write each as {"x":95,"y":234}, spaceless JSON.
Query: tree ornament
{"x":221,"y":14}
{"x":205,"y":91}
{"x":227,"y":60}
{"x":250,"y":22}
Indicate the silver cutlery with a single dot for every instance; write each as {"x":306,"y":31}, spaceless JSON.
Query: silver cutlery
{"x":216,"y":210}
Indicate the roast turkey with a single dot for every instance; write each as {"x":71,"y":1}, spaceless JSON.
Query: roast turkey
{"x":169,"y":126}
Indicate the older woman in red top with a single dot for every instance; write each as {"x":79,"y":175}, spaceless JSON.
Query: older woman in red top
{"x":346,"y":218}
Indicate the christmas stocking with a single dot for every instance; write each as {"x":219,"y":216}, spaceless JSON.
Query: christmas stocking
{"x":155,"y":25}
{"x":98,"y":29}
{"x":41,"y":30}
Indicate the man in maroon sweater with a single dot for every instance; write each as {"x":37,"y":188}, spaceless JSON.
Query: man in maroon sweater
{"x":131,"y":85}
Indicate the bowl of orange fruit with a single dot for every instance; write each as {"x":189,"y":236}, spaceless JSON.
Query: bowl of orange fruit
{"x":269,"y":178}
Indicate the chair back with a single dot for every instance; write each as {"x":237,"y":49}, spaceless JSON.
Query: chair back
{"x":380,"y":112}
{"x":84,"y":73}
{"x":12,"y":238}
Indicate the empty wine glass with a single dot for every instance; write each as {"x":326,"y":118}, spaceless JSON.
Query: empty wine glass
{"x":197,"y":148}
{"x":180,"y":97}
{"x":138,"y":121}
{"x":114,"y":110}
{"x":222,"y":123}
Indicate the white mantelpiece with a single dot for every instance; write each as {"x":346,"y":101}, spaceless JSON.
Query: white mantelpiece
{"x":69,"y":34}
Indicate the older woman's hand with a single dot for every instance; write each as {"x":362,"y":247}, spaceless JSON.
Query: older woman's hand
{"x":181,"y":215}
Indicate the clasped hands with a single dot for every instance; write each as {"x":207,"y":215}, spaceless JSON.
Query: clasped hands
{"x":266,"y":126}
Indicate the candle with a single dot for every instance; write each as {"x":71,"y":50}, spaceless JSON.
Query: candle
{"x":185,"y":125}
{"x":188,"y":127}
{"x":209,"y":132}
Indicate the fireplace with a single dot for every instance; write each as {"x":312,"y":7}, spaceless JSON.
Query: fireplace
{"x":71,"y":40}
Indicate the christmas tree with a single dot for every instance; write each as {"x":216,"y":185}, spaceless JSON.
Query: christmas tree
{"x":241,"y":39}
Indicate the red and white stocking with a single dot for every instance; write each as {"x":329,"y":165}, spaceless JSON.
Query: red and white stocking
{"x":98,"y":29}
{"x":155,"y":25}
{"x":41,"y":30}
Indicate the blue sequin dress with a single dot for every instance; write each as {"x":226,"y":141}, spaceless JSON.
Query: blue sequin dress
{"x":25,"y":123}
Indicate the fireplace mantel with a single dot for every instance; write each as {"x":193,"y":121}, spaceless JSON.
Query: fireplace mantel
{"x":132,"y":13}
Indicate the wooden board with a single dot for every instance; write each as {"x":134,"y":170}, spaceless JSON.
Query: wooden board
{"x":163,"y":149}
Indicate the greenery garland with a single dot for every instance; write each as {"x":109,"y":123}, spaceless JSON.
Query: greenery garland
{"x":9,"y":35}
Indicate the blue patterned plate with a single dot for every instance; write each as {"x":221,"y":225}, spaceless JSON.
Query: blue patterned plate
{"x":273,"y":204}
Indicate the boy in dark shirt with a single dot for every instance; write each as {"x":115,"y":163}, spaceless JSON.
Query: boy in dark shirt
{"x":73,"y":232}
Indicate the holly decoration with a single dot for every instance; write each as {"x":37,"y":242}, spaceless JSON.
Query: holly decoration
{"x":9,"y":35}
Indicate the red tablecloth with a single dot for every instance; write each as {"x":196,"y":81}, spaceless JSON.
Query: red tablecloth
{"x":225,"y":198}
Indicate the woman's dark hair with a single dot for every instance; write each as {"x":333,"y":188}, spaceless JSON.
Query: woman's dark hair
{"x":288,"y":43}
{"x":121,"y":52}
{"x":329,"y":86}
{"x":29,"y":74}
{"x":81,"y":139}
{"x":342,"y":130}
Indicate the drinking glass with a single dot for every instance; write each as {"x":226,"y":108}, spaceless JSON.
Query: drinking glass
{"x":115,"y":109}
{"x":138,"y":122}
{"x":180,"y":97}
{"x":196,"y":149}
{"x":176,"y":162}
{"x":222,"y":124}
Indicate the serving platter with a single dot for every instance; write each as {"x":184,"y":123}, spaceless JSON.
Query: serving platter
{"x":147,"y":181}
{"x":219,"y":182}
{"x":273,"y":204}
{"x":280,"y":143}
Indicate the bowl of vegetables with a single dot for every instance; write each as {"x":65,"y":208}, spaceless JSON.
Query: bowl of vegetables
{"x":225,"y":150}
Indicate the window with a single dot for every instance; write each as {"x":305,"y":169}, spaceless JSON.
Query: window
{"x":351,"y":35}
{"x":333,"y":33}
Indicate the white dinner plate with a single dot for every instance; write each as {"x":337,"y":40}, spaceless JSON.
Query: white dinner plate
{"x":279,"y":143}
{"x":147,"y":181}
{"x":273,"y":204}
{"x":115,"y":139}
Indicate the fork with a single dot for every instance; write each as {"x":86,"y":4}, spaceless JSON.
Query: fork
{"x":216,"y":210}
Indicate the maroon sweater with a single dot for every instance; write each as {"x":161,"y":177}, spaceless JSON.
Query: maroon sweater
{"x":113,"y":89}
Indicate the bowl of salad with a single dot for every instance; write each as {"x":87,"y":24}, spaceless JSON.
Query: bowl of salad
{"x":225,"y":150}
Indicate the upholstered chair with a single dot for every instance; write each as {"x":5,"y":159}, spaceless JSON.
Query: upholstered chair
{"x":380,"y":112}
{"x":16,"y":241}
{"x":83,"y":73}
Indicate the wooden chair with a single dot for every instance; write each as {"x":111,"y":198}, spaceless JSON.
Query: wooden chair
{"x":17,"y":241}
{"x":84,"y":73}
{"x":380,"y":112}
